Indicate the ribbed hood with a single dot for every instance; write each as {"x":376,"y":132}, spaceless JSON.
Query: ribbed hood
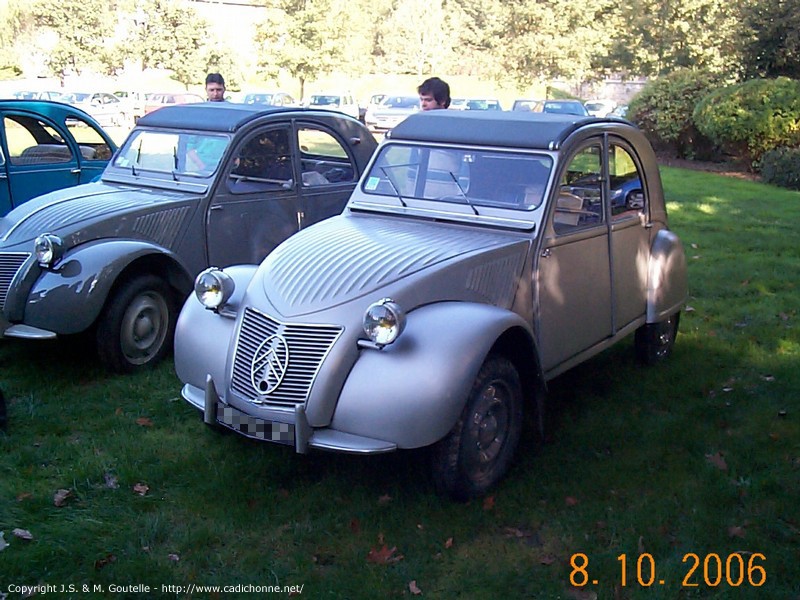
{"x":348,"y":256}
{"x":70,"y":209}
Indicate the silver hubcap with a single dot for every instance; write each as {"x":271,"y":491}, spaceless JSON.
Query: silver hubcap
{"x":144,"y":327}
{"x":488,"y":427}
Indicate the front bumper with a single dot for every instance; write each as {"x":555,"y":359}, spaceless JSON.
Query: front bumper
{"x":292,"y":430}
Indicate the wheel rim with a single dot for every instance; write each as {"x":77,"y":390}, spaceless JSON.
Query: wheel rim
{"x":488,"y":428}
{"x":144,"y":327}
{"x":664,"y":337}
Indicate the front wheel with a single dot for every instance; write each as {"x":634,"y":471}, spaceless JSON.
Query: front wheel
{"x":478,"y":450}
{"x":654,"y":341}
{"x":137,"y":325}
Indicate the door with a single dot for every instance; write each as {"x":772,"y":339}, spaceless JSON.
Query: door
{"x":574,"y":272}
{"x":256,"y":205}
{"x":40,"y":159}
{"x":93,"y":148}
{"x":630,"y":236}
{"x":329,"y":173}
{"x":5,"y":191}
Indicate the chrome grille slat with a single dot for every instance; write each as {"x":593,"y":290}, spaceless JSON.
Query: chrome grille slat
{"x":10,"y":264}
{"x":308,"y":346}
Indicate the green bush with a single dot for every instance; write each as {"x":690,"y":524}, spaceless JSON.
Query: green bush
{"x":781,"y":166}
{"x":664,"y":108}
{"x":751,"y":118}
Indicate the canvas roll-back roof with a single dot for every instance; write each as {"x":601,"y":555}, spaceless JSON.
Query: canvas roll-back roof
{"x":518,"y":129}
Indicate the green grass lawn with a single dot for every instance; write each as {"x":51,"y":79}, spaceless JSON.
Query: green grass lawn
{"x":689,"y":467}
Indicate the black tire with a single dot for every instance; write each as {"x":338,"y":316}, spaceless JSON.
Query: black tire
{"x":654,"y":341}
{"x":478,"y":451}
{"x":137,"y":325}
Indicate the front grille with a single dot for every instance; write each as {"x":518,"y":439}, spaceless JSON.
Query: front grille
{"x":307,"y":347}
{"x":10,"y":263}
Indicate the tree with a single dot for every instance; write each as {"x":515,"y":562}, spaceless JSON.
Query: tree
{"x":654,"y":37}
{"x":771,"y":30}
{"x":304,"y":37}
{"x":74,"y":27}
{"x":168,"y":35}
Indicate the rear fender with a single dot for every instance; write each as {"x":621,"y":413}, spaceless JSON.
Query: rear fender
{"x":667,"y":286}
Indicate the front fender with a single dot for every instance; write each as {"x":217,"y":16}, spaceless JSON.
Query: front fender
{"x":667,"y":286}
{"x":69,"y":298}
{"x":203,"y":338}
{"x":413,"y":391}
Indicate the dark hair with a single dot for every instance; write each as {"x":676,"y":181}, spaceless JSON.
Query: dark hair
{"x":437,"y":88}
{"x":215,"y":78}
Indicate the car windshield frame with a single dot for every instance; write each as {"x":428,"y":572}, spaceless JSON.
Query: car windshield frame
{"x":172,"y":152}
{"x":504,"y":186}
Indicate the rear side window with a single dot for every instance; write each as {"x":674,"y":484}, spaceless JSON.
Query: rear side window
{"x":31,"y":141}
{"x":91,"y":143}
{"x":323,"y":159}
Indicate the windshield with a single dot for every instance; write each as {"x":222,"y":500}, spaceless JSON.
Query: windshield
{"x":477,"y":177}
{"x":75,"y":97}
{"x":326,"y":100}
{"x":400,"y":102}
{"x":177,"y":153}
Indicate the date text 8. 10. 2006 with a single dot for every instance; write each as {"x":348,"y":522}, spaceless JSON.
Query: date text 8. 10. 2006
{"x":735,"y":570}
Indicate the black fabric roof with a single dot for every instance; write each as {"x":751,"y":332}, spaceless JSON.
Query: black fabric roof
{"x":208,"y":116}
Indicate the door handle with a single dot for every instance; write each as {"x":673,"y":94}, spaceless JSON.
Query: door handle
{"x":215,"y":207}
{"x":300,"y":216}
{"x":76,"y":171}
{"x":546,"y":252}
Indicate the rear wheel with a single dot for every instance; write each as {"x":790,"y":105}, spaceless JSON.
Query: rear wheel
{"x":654,"y":341}
{"x":137,"y":325}
{"x":478,"y":450}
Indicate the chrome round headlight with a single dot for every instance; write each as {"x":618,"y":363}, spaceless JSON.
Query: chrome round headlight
{"x":48,"y":249}
{"x":384,"y":321}
{"x":213,"y":287}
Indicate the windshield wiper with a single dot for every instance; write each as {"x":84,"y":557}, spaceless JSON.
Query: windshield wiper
{"x":174,"y":163}
{"x":135,"y":162}
{"x":391,"y":183}
{"x":463,"y":194}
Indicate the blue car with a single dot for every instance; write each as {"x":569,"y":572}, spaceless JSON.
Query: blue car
{"x":46,"y":146}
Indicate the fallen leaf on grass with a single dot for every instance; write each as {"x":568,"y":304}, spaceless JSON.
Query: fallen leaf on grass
{"x":102,"y":562}
{"x":3,"y":543}
{"x":547,"y":560}
{"x":736,"y":531}
{"x":579,"y":594}
{"x":384,"y":500}
{"x":571,"y":501}
{"x":412,"y":587}
{"x":144,"y":422}
{"x":488,"y":503}
{"x":173,"y":557}
{"x":768,"y":377}
{"x":355,"y":526}
{"x":111,"y":481}
{"x":718,"y":461}
{"x":141,"y":488}
{"x":448,"y":543}
{"x":60,"y":497}
{"x":24,"y":496}
{"x":22,"y":534}
{"x":384,"y":555}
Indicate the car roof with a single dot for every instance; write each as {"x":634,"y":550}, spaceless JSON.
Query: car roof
{"x":506,"y":128}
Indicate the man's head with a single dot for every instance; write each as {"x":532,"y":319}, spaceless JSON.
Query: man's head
{"x":433,"y":94}
{"x":215,"y":87}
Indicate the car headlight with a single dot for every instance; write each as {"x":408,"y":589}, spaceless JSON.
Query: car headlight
{"x":48,"y":249}
{"x":213,"y":288}
{"x":384,"y":321}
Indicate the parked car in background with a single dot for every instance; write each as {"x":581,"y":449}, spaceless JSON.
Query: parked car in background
{"x":479,"y":257}
{"x":134,"y":102}
{"x":106,"y":108}
{"x":458,"y":103}
{"x":374,"y":101}
{"x":35,"y":95}
{"x":478,"y":104}
{"x":269,"y":99}
{"x":382,"y":117}
{"x":565,"y":107}
{"x":344,"y":103}
{"x":159,"y":100}
{"x":620,"y":111}
{"x":527,"y":105}
{"x":600,"y":108}
{"x":193,"y":185}
{"x":46,"y":146}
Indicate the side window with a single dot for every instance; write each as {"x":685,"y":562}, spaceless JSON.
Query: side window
{"x":580,"y":197}
{"x":91,"y":143}
{"x":263,"y":163}
{"x":627,"y":191}
{"x":34,"y":142}
{"x":323,"y":159}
